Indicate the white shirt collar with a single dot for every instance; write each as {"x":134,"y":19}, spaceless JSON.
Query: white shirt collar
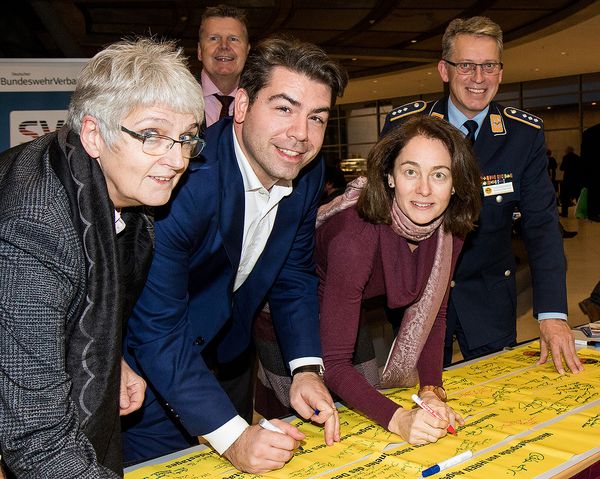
{"x":119,"y":223}
{"x":251,"y":181}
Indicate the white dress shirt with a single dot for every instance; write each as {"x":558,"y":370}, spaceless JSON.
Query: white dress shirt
{"x":260,"y":210}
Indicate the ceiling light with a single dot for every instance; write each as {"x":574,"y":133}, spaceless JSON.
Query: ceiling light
{"x":413,"y":41}
{"x":548,"y":108}
{"x":593,"y":103}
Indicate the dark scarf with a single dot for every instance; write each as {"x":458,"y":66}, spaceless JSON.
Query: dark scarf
{"x":116,"y":269}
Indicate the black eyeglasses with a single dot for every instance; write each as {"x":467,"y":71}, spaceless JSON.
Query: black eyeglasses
{"x":157,"y":145}
{"x":468,"y":68}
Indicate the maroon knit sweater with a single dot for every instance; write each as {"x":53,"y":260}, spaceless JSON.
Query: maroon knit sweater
{"x":357,"y":260}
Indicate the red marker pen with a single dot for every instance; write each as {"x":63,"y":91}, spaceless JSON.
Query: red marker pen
{"x":425,"y":407}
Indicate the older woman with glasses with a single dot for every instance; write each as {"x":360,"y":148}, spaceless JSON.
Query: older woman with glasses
{"x":75,"y":244}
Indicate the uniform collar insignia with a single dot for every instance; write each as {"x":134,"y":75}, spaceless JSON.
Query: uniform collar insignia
{"x":407,"y":109}
{"x":523,"y":117}
{"x":497,"y":124}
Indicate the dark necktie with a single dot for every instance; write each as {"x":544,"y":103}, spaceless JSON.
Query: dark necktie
{"x":471,"y":126}
{"x":225,"y":102}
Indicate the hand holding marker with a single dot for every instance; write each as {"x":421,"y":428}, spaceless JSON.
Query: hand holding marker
{"x":269,"y":426}
{"x":426,"y":407}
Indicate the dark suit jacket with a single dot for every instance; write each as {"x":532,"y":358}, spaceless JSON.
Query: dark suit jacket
{"x":511,"y":141}
{"x":44,"y":430}
{"x":188,"y":302}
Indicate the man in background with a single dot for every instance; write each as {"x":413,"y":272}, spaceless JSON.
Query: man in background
{"x":222,"y":48}
{"x":335,"y":183}
{"x":590,"y":157}
{"x":571,"y":182}
{"x":510,"y":148}
{"x":552,"y":167}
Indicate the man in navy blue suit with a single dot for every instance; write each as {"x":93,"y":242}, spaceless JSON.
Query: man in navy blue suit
{"x":239,"y":232}
{"x":510,"y":149}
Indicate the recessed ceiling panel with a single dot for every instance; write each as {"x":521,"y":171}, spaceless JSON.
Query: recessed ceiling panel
{"x":382,"y":35}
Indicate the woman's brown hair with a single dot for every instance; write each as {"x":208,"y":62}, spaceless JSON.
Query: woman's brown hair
{"x":376,"y":198}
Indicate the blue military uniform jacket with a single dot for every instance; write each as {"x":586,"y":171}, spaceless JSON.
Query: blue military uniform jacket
{"x":188,"y":301}
{"x":511,"y":154}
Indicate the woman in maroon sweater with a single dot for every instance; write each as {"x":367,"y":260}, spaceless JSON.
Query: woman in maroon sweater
{"x":401,"y":240}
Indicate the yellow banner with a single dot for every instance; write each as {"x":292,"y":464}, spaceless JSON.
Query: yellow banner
{"x":521,"y":420}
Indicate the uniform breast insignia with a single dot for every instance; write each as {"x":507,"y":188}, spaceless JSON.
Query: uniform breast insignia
{"x":408,"y":109}
{"x":497,"y":124}
{"x":523,"y":117}
{"x":500,"y":183}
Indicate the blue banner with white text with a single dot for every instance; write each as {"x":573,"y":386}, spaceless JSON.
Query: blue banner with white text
{"x":34,"y":97}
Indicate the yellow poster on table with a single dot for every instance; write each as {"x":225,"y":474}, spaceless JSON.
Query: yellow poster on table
{"x":521,"y":420}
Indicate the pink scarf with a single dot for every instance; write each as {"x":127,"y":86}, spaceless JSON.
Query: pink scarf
{"x":403,"y":226}
{"x":400,"y":369}
{"x":341,"y":202}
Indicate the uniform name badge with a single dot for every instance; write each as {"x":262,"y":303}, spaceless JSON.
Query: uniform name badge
{"x":498,"y":189}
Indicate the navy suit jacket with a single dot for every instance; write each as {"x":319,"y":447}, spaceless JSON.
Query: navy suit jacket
{"x":510,"y":142}
{"x":188,"y":301}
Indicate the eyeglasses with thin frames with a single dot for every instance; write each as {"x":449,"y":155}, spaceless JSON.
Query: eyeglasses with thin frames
{"x":157,"y":145}
{"x":468,"y":68}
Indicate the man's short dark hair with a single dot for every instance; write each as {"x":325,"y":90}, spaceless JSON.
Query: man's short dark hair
{"x":224,"y":11}
{"x":300,"y":57}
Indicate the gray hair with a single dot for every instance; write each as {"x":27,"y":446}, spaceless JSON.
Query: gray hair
{"x":482,"y":26}
{"x":130,"y":74}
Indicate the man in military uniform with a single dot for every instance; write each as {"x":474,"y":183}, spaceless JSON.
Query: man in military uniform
{"x":510,"y":148}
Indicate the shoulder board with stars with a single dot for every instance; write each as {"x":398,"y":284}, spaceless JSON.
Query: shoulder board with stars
{"x":523,"y":117}
{"x":408,"y":109}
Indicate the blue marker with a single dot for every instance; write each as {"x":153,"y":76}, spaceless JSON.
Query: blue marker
{"x":453,"y":461}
